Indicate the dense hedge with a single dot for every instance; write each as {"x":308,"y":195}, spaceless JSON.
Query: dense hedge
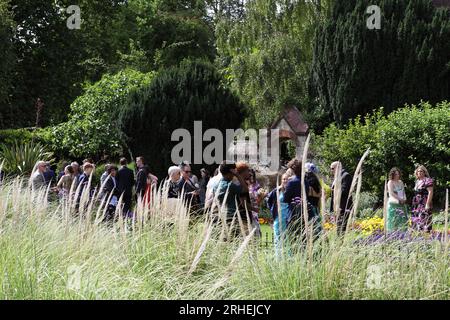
{"x":9,"y":136}
{"x":177,"y":97}
{"x":24,"y":135}
{"x":407,"y":137}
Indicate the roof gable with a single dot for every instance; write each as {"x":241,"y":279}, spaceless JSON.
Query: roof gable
{"x":294,"y":119}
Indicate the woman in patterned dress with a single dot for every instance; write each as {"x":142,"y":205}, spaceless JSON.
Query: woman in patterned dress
{"x":422,"y":202}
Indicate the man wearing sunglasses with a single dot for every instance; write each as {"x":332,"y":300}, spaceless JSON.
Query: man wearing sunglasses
{"x":38,"y":179}
{"x":187,"y":186}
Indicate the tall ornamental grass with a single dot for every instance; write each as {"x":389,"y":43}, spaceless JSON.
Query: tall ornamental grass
{"x":51,"y":251}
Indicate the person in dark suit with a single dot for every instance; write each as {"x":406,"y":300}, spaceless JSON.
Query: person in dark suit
{"x":110,"y":185}
{"x":49,"y":174}
{"x":345,"y":203}
{"x":141,"y":178}
{"x":83,"y":179}
{"x":83,"y":182}
{"x":125,"y":183}
{"x":110,"y":192}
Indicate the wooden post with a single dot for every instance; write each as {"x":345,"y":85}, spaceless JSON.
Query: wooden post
{"x":39,"y":106}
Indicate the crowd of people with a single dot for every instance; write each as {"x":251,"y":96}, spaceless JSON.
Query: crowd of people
{"x":234,"y":195}
{"x":235,"y":188}
{"x":115,"y":182}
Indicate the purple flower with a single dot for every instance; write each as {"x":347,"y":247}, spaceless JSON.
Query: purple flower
{"x":403,"y":236}
{"x":296,"y":201}
{"x":400,"y":212}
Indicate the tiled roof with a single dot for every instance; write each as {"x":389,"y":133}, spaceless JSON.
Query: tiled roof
{"x":295,"y":120}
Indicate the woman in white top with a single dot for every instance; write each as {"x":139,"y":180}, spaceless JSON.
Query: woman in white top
{"x":397,"y":217}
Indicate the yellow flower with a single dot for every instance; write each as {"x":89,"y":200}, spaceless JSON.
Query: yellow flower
{"x":369,"y":226}
{"x":328,"y":226}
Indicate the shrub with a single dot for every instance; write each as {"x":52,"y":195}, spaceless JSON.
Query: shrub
{"x":370,"y":225}
{"x":93,"y":129}
{"x":176,"y":98}
{"x":439,"y":218}
{"x":10,"y":136}
{"x":20,"y":158}
{"x":407,"y":137}
{"x":8,"y":61}
{"x":368,"y":201}
{"x":137,"y":112}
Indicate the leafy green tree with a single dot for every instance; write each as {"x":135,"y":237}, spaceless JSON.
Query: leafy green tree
{"x":53,"y":61}
{"x":356,"y":69}
{"x":228,"y":9}
{"x":47,"y":53}
{"x":169,"y":31}
{"x":267,"y":54}
{"x":104,"y":35}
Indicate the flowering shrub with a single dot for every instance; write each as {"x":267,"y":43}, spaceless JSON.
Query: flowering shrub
{"x":366,"y":226}
{"x":328,"y":226}
{"x":93,"y":127}
{"x":369,"y":226}
{"x":329,"y":222}
{"x":406,"y":236}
